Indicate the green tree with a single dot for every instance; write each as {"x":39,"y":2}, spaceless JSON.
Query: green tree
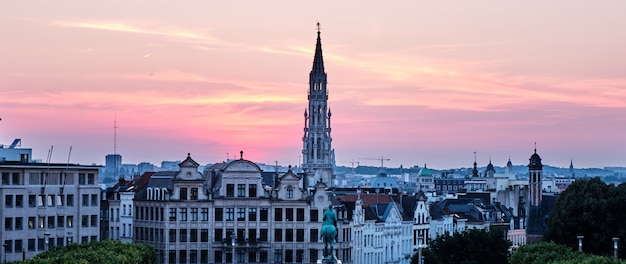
{"x":551,"y":253}
{"x":590,"y":208}
{"x":468,"y":247}
{"x":107,"y":251}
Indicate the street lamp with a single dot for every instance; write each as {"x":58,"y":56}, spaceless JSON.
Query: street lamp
{"x":232,"y":243}
{"x":420,"y":246}
{"x":615,"y":246}
{"x":580,"y":243}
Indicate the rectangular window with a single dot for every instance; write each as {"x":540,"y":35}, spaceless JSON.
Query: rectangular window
{"x":16,"y":179}
{"x":50,"y":200}
{"x":70,"y":221}
{"x":314,"y":217}
{"x":252,"y":190}
{"x":241,"y":214}
{"x":32,"y":200}
{"x":182,"y":257}
{"x":217,"y":255}
{"x":252,"y":235}
{"x":263,"y":214}
{"x":204,"y":235}
{"x":263,"y":234}
{"x":219,"y":214}
{"x":19,"y":246}
{"x":314,"y":234}
{"x":299,"y":255}
{"x":51,"y":221}
{"x":278,"y":235}
{"x":82,"y":178}
{"x":40,"y":200}
{"x":19,"y":223}
{"x":94,"y":220}
{"x":6,"y":177}
{"x":288,"y":255}
{"x":300,"y":214}
{"x":193,"y":235}
{"x":85,"y":200}
{"x":230,"y":190}
{"x":252,"y":256}
{"x":172,"y":235}
{"x":218,"y":235}
{"x":241,"y":190}
{"x":183,"y":194}
{"x":252,"y":214}
{"x":172,"y":216}
{"x":204,"y":214}
{"x":8,"y":201}
{"x":194,"y":194}
{"x":183,"y":214}
{"x":70,"y":200}
{"x":204,"y":256}
{"x":193,"y":256}
{"x":19,"y":201}
{"x":194,"y":214}
{"x":313,"y":254}
{"x":61,"y":221}
{"x":8,"y":223}
{"x":289,"y":214}
{"x":300,"y":235}
{"x":42,"y":222}
{"x":230,"y":214}
{"x":84,"y":221}
{"x":94,"y":200}
{"x":289,"y":235}
{"x":263,"y":256}
{"x":183,"y":235}
{"x":31,"y":244}
{"x":278,"y":214}
{"x":31,"y":222}
{"x":91,"y":178}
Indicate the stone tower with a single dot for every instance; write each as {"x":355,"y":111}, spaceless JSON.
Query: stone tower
{"x":535,"y":213}
{"x":318,"y":157}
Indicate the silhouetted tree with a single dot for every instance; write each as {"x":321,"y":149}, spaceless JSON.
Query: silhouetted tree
{"x":107,"y":251}
{"x":590,"y":208}
{"x":468,"y":247}
{"x":549,"y":252}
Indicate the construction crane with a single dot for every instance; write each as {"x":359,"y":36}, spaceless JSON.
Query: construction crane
{"x":382,"y":160}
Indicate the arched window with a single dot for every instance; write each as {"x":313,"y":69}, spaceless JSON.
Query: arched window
{"x":163,"y":193}
{"x":149,"y":197}
{"x":289,"y":192}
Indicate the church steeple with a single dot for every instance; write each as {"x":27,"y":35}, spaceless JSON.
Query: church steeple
{"x":318,"y":60}
{"x":317,"y":152}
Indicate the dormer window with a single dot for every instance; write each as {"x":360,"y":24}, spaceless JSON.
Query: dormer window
{"x":289,"y":192}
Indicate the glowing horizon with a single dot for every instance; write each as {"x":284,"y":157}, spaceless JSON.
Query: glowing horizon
{"x":420,"y":83}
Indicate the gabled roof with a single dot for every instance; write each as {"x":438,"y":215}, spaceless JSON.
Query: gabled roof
{"x":188,"y":162}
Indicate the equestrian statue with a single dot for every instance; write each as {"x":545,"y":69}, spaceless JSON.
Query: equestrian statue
{"x":329,"y":232}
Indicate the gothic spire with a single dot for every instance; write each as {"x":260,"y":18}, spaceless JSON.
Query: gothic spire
{"x":318,"y":61}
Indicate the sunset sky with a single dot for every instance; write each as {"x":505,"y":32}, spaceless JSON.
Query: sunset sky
{"x":418,"y":82}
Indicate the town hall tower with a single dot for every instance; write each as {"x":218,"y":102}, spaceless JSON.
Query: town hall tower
{"x":318,"y":158}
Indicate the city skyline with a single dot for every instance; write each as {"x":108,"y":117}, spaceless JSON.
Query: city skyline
{"x":418,"y":83}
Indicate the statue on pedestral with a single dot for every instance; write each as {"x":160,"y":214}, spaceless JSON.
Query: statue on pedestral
{"x":329,"y":232}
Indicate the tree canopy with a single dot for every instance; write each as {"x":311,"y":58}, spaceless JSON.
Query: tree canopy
{"x":107,"y":251}
{"x":593,"y":209}
{"x":551,"y":253}
{"x":467,"y":247}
